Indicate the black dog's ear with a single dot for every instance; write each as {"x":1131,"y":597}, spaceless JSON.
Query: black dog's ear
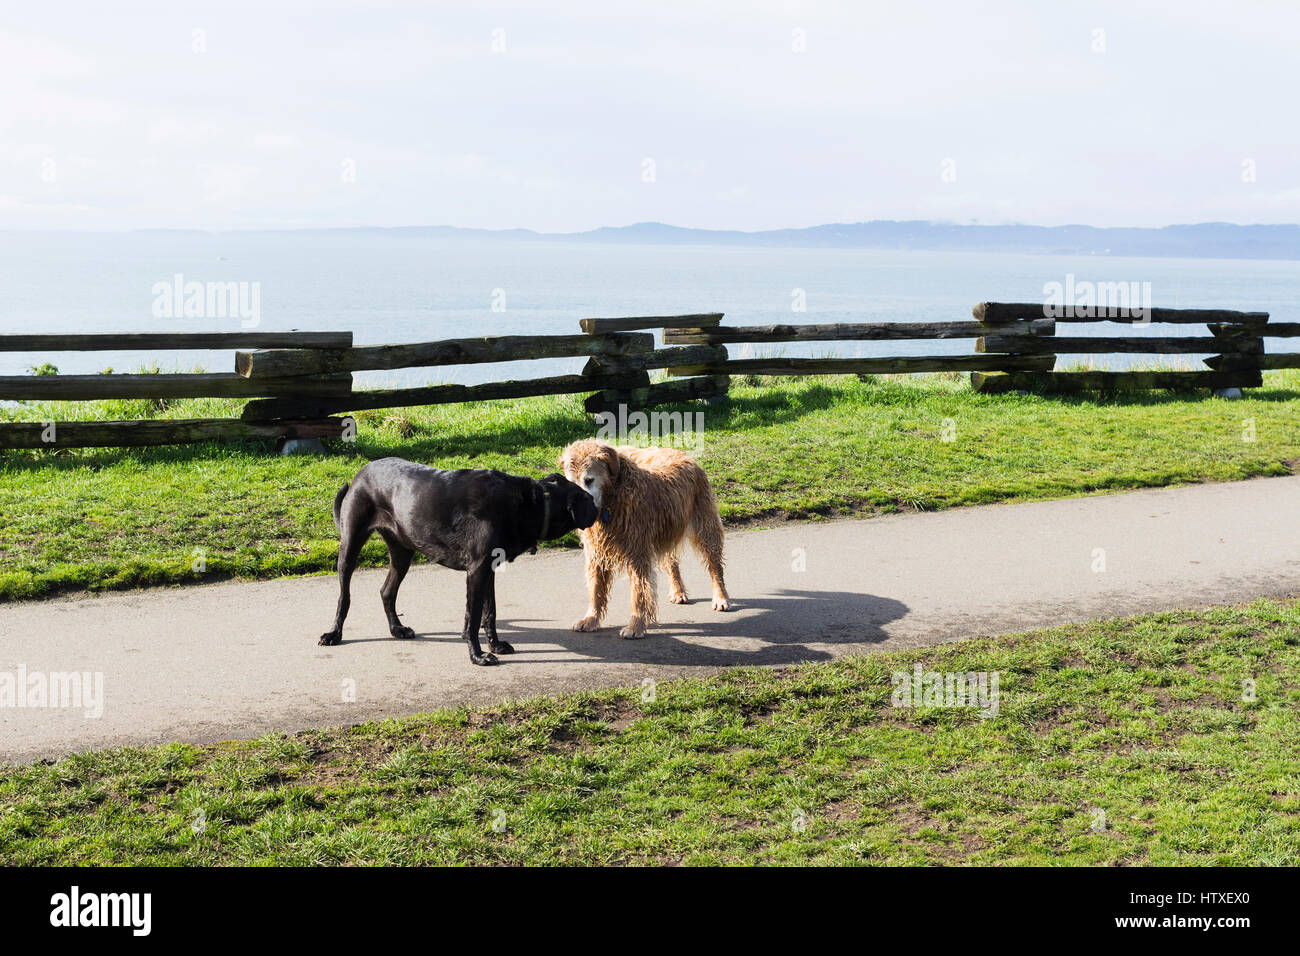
{"x":553,"y":477}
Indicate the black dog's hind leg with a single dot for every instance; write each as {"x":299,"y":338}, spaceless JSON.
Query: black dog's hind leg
{"x":399,"y":562}
{"x":495,"y":644}
{"x":477,"y":583}
{"x":349,"y":549}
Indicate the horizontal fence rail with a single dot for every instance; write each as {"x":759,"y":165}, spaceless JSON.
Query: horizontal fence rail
{"x":505,"y":348}
{"x":440,"y":395}
{"x":659,"y":358}
{"x":891,"y":365}
{"x":848,"y":332}
{"x":1071,"y":382}
{"x":650,"y":322}
{"x":63,"y":388}
{"x":1011,"y":311}
{"x":1273,"y":360}
{"x":1078,"y":345}
{"x":133,"y":341}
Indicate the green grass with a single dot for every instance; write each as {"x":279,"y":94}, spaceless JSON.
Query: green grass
{"x":1143,"y":720}
{"x":97,"y":519}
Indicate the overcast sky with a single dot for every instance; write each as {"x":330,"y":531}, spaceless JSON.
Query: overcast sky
{"x":709,"y":114}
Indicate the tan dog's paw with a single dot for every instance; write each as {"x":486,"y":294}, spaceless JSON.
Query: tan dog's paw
{"x":633,"y":632}
{"x":721,"y":604}
{"x":679,"y":597}
{"x":588,"y":623}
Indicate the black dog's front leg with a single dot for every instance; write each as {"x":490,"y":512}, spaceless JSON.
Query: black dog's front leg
{"x":477,"y":583}
{"x":495,"y":644}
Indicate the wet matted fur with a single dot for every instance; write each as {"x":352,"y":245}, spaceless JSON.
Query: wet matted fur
{"x":652,"y":499}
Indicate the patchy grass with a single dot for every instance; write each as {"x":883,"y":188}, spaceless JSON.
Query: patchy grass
{"x":110,"y":518}
{"x":1147,"y":721}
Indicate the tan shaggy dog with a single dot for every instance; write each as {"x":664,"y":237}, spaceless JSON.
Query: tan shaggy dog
{"x":655,"y":498}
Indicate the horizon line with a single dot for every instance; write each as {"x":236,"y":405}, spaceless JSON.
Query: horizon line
{"x":641,"y":224}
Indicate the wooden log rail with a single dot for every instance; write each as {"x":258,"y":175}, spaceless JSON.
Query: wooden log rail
{"x":890,"y":365}
{"x":440,"y":395}
{"x":135,"y":341}
{"x":275,"y":363}
{"x":990,"y":312}
{"x":593,"y":326}
{"x":1273,"y":360}
{"x":1073,"y":382}
{"x":67,"y":388}
{"x":659,"y":358}
{"x":850,"y":332}
{"x":1081,"y":345}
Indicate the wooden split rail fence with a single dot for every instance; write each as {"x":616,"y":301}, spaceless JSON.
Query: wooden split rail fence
{"x":299,"y":382}
{"x":75,"y":434}
{"x":1016,"y":346}
{"x":1235,"y":347}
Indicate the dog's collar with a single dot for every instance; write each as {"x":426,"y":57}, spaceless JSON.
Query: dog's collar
{"x":546,"y":514}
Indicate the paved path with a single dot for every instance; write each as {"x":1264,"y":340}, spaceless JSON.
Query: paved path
{"x":239,"y":659}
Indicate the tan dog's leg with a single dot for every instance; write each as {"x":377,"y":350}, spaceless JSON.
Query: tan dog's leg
{"x":706,"y":535}
{"x":677,"y":593}
{"x":598,"y":581}
{"x":644,"y":609}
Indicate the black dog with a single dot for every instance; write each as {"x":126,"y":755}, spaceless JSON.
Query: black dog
{"x":470,"y":520}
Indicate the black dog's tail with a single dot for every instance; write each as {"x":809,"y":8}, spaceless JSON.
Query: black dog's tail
{"x":338,"y":504}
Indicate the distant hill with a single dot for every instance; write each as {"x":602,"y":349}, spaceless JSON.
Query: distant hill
{"x":1210,"y":240}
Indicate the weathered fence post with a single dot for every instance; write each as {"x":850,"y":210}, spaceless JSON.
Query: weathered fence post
{"x":644,"y":394}
{"x":1019,"y":340}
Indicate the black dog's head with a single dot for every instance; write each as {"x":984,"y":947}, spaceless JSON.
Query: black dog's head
{"x":571,"y":507}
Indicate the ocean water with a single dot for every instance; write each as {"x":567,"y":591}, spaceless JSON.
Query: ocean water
{"x":390,"y":288}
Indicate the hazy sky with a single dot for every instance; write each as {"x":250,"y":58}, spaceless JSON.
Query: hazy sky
{"x":229,"y":114}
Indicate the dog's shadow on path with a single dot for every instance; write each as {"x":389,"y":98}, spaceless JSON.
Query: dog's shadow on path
{"x":785,"y":625}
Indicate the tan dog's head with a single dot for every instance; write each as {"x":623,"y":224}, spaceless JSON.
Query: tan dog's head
{"x":593,"y":466}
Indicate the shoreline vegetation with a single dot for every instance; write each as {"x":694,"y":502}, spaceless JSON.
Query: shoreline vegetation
{"x":1162,"y":739}
{"x":776,"y":449}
